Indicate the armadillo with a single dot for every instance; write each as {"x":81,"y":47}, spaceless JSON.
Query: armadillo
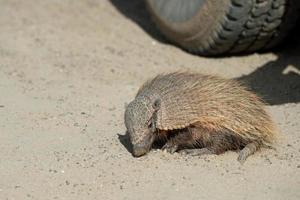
{"x":198,"y":114}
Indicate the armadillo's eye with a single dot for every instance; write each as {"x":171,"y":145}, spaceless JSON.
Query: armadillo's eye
{"x":151,"y":125}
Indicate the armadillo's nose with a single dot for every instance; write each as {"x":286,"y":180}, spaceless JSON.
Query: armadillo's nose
{"x":139,"y":150}
{"x":143,"y":146}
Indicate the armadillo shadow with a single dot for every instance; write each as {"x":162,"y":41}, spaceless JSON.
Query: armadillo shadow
{"x":124,"y":140}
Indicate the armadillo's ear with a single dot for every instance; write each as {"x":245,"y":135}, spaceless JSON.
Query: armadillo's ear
{"x":156,"y":104}
{"x":153,"y":124}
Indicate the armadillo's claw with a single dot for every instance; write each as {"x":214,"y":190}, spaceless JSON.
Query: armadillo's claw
{"x":170,"y":147}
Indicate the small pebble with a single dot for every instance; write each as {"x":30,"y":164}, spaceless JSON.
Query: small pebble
{"x":112,"y":109}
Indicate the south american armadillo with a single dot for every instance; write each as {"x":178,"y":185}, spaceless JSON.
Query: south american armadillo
{"x":198,"y":114}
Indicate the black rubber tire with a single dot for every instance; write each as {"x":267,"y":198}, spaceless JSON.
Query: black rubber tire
{"x":215,"y":27}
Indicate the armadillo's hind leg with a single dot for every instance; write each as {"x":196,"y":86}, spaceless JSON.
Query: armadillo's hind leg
{"x":248,"y":150}
{"x":197,"y":152}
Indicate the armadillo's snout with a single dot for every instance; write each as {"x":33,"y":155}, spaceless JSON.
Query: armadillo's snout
{"x":139,"y":150}
{"x":143,"y":147}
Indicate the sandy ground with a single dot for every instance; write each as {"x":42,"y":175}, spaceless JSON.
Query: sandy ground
{"x":66,"y":70}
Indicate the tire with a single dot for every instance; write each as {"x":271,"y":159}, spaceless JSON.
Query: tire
{"x":215,"y":27}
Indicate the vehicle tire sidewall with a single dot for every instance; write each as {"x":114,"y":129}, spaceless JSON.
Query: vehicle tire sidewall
{"x":201,"y":25}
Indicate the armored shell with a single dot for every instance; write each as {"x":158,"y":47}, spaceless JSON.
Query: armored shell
{"x":213,"y":102}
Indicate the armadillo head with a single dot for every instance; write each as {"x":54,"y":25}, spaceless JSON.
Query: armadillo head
{"x":140,"y":121}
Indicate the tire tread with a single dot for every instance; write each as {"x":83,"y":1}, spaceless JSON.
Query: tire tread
{"x":248,"y":26}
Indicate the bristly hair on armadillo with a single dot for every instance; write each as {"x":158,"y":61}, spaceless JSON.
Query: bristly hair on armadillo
{"x":210,"y":102}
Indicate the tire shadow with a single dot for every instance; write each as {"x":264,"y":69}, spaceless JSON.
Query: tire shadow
{"x":278,"y":81}
{"x":136,"y":11}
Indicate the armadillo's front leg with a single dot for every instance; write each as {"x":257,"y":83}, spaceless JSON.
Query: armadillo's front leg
{"x":181,"y":139}
{"x":170,"y":147}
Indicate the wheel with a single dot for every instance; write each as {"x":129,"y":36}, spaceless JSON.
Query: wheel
{"x":214,"y":27}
